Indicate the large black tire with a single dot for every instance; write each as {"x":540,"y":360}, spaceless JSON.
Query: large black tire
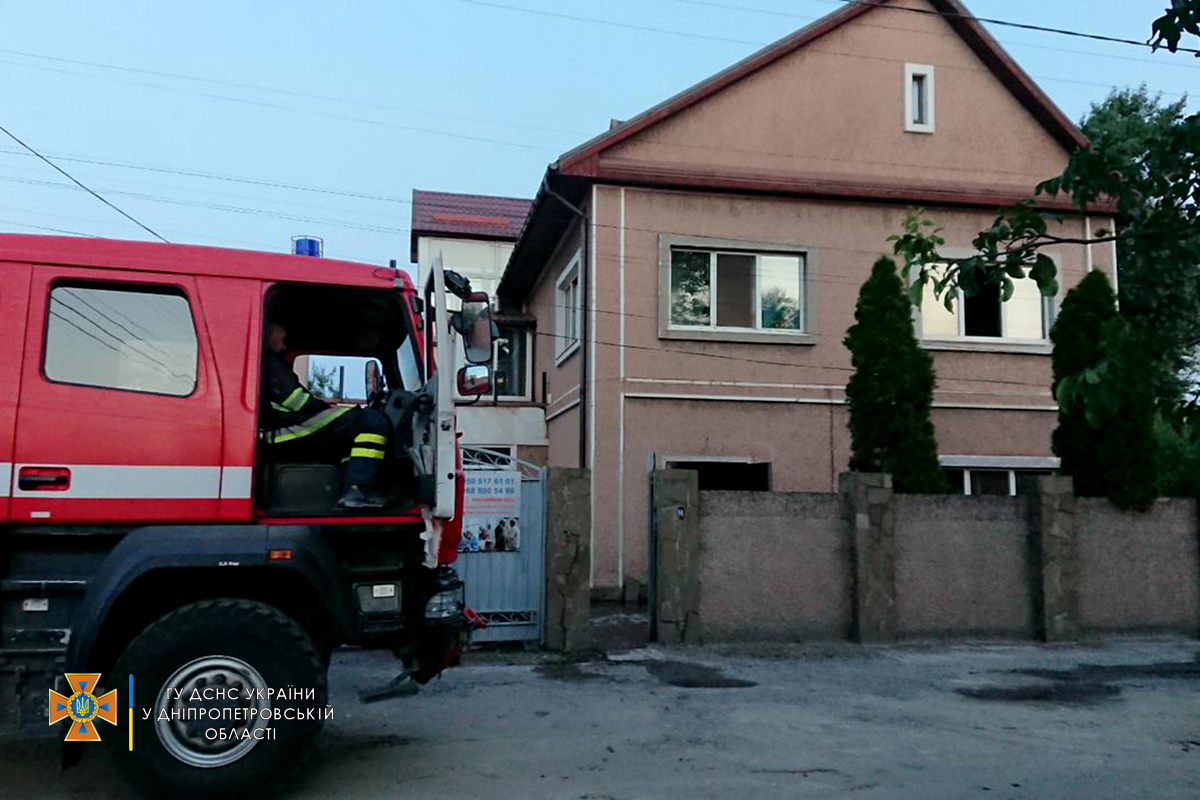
{"x":220,"y":643}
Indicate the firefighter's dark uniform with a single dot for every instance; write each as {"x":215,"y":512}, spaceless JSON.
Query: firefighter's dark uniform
{"x":299,"y":426}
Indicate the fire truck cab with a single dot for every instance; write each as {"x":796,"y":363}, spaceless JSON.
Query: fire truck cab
{"x":149,"y":531}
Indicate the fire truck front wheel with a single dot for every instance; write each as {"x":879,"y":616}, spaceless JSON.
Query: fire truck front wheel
{"x":229,"y":696}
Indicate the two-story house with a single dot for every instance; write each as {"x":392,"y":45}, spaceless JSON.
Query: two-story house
{"x":474,"y":235}
{"x":694,"y":269}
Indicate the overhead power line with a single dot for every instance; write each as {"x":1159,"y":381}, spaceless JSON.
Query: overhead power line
{"x":1025,"y":26}
{"x":220,"y":207}
{"x":278,"y":90}
{"x":216,"y":176}
{"x":1161,"y":62}
{"x":304,"y":111}
{"x":66,"y":231}
{"x":652,"y":29}
{"x":78,"y":183}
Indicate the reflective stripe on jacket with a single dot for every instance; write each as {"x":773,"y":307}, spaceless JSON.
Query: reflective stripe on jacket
{"x":307,"y":427}
{"x":286,"y":403}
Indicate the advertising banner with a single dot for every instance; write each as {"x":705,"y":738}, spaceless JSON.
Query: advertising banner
{"x":492,"y":512}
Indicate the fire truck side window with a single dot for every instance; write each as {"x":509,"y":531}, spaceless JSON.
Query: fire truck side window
{"x":139,"y":340}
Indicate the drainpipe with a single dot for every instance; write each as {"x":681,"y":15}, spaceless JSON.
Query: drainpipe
{"x":584,"y":267}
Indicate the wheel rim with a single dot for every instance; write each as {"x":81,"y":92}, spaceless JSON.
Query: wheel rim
{"x":187,"y":739}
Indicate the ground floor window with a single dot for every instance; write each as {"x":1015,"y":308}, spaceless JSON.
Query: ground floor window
{"x":730,"y":476}
{"x":994,"y":482}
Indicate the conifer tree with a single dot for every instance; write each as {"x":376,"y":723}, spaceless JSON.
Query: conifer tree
{"x":891,"y":391}
{"x":1104,"y":385}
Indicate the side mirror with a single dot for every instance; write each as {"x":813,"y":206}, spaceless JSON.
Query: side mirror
{"x":371,"y":373}
{"x":474,"y":380}
{"x":474,"y":324}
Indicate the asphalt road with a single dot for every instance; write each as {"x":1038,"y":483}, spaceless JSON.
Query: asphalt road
{"x":1118,"y":721}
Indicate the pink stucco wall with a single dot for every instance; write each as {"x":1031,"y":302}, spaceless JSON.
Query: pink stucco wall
{"x":834,"y":110}
{"x":781,"y":403}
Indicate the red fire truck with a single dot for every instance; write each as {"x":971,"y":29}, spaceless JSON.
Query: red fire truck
{"x":148,"y":531}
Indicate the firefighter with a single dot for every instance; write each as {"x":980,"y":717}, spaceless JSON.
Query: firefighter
{"x":298,"y":426}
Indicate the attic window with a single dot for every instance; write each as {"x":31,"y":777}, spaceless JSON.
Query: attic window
{"x":918,"y":98}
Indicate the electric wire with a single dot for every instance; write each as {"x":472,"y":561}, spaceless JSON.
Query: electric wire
{"x":1009,"y":43}
{"x":654,"y":29}
{"x":78,"y":183}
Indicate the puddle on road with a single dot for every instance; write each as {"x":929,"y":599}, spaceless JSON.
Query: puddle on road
{"x":1079,"y":685}
{"x":694,"y":676}
{"x":569,"y":671}
{"x":674,"y":673}
{"x":1069,"y":693}
{"x":1118,"y":672}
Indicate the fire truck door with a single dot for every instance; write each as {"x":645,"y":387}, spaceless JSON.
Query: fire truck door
{"x":120,"y":413}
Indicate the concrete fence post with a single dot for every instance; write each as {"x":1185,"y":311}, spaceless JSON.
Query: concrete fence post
{"x":871,"y":528}
{"x":677,"y":556}
{"x":1054,"y":543}
{"x":568,"y":559}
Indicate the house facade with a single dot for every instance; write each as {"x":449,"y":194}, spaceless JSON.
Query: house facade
{"x":693,"y":270}
{"x":474,"y":235}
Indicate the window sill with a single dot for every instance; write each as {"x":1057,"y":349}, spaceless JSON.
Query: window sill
{"x":981,"y":345}
{"x":566,"y":353}
{"x":742,"y":336}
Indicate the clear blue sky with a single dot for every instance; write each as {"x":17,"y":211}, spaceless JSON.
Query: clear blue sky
{"x":497,"y":95}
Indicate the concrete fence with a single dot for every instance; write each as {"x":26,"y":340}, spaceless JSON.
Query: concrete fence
{"x":568,"y":558}
{"x":873,"y":566}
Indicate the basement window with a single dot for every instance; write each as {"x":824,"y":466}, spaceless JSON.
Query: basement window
{"x":990,"y":482}
{"x":918,"y":98}
{"x":729,"y":476}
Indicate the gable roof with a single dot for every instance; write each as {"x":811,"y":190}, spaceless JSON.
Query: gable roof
{"x":466,"y":216}
{"x":568,"y":178}
{"x":986,"y":48}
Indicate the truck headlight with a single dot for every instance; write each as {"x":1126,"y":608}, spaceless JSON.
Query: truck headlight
{"x":443,"y":605}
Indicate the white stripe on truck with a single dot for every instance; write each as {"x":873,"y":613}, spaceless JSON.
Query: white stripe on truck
{"x":127,"y":482}
{"x":235,"y":483}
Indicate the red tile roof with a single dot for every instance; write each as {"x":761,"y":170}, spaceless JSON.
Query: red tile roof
{"x":467,"y":216}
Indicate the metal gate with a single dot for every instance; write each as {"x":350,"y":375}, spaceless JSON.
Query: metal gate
{"x":509,"y":588}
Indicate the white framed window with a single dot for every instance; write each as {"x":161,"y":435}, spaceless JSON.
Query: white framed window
{"x":568,"y":306}
{"x":742,"y":291}
{"x":1027,"y":316}
{"x":996,"y":476}
{"x":918,"y":98}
